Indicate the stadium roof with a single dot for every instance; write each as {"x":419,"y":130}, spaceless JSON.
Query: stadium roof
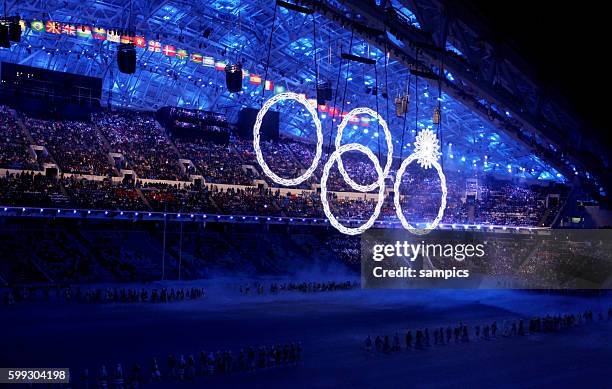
{"x":493,"y":116}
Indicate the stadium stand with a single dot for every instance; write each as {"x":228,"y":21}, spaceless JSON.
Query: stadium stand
{"x":84,"y":152}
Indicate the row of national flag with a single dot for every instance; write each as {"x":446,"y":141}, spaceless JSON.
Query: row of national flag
{"x":115,"y":36}
{"x":118,"y":36}
{"x":83,"y":31}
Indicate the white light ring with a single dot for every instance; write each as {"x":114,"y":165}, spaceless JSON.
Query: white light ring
{"x":336,"y":156}
{"x":389,"y":140}
{"x":396,"y":199}
{"x":256,"y":139}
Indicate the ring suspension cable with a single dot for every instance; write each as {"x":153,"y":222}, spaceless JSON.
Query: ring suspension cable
{"x":263,"y":93}
{"x":348,"y":67}
{"x":314,"y":45}
{"x":386,"y":84}
{"x":440,"y":104}
{"x":416,"y":97}
{"x":377,"y":110}
{"x":408,"y":82}
{"x":331,"y":130}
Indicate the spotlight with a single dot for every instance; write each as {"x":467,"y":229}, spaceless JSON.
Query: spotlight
{"x":10,"y":31}
{"x":233,"y":77}
{"x":324,"y":92}
{"x":436,"y":116}
{"x":126,"y":58}
{"x":401,"y":105}
{"x":4,"y":35}
{"x":14,"y":29}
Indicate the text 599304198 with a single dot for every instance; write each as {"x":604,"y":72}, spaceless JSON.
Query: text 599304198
{"x":34,"y":375}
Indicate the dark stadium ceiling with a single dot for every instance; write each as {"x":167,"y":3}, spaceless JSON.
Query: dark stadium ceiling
{"x":493,"y":116}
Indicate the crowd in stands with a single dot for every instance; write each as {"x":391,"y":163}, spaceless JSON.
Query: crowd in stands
{"x":74,"y":252}
{"x":36,"y":189}
{"x":104,"y":194}
{"x":85,"y":147}
{"x":14,"y":151}
{"x":218,"y":163}
{"x":348,"y":250}
{"x":572,"y":262}
{"x":75,"y":146}
{"x":141,"y":140}
{"x":31,"y":189}
{"x":510,"y":205}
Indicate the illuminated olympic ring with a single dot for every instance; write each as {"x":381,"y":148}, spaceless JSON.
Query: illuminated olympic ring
{"x":426,"y":153}
{"x":396,"y":197}
{"x":383,"y":123}
{"x":380,"y":183}
{"x":256,"y":138}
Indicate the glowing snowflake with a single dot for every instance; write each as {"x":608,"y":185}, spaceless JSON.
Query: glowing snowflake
{"x":427,"y":148}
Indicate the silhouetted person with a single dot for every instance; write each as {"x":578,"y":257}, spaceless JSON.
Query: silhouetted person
{"x":408,"y":339}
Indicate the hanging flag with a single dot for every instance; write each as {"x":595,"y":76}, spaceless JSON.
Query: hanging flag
{"x":182,"y":54}
{"x":255,"y":79}
{"x":220,"y":65}
{"x":323,"y":108}
{"x":208,"y":61}
{"x":22,"y":24}
{"x":270,"y":85}
{"x":99,"y":33}
{"x":245,"y":73}
{"x":53,"y":27}
{"x":37,"y":25}
{"x":125,"y":39}
{"x":169,"y":51}
{"x":154,"y":46}
{"x":140,"y":41}
{"x":84,"y":32}
{"x":69,"y":29}
{"x":113,"y":36}
{"x":279,"y":89}
{"x":365,"y":121}
{"x":196,"y":58}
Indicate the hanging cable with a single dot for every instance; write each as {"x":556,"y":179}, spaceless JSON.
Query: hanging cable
{"x":348,"y":67}
{"x":263,"y":93}
{"x":405,"y":119}
{"x":440,"y":106}
{"x":314,"y":39}
{"x":386,"y":83}
{"x":377,"y":111}
{"x":416,"y":97}
{"x":331,"y":130}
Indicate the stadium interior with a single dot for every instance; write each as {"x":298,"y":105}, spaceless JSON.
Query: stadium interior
{"x":145,"y":244}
